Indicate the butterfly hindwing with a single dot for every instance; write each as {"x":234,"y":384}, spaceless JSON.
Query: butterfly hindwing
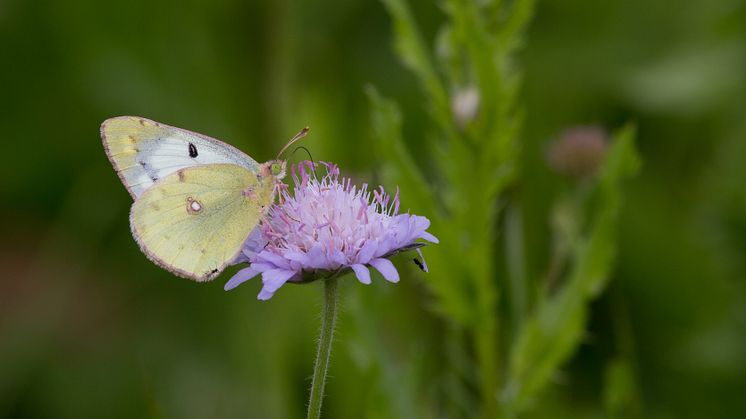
{"x":194,"y":221}
{"x":144,"y":151}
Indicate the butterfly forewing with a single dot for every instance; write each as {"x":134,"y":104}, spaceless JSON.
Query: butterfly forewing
{"x":144,"y":151}
{"x":195,"y":220}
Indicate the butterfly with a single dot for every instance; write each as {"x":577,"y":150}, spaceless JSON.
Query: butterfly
{"x":197,"y":199}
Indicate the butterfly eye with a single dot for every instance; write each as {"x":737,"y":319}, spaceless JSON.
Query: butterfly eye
{"x":276,"y":169}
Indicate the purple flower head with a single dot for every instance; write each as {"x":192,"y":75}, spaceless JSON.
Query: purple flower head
{"x":326,"y":228}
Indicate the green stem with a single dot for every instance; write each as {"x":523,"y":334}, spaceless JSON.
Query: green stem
{"x":329,"y":317}
{"x":486,"y":347}
{"x":515,"y":261}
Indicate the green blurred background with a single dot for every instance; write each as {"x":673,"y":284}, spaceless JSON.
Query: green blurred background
{"x":90,"y":328}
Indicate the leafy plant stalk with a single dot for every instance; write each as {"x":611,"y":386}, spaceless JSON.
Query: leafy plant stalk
{"x":471,"y":83}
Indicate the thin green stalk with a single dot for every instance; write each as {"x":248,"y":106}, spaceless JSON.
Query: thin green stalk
{"x":486,"y":348}
{"x":320,"y":367}
{"x":515,"y":259}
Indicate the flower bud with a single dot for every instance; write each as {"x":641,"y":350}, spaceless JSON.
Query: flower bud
{"x":464,"y":105}
{"x":578,"y":151}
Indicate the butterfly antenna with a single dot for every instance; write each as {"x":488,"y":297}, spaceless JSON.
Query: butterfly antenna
{"x":297,"y":137}
{"x":300,"y":147}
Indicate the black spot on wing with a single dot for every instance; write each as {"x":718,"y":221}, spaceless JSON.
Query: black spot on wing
{"x":192,"y":150}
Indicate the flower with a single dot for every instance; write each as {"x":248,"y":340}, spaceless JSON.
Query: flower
{"x":327,"y":228}
{"x":578,"y":151}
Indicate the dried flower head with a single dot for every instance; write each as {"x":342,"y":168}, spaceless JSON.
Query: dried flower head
{"x":326,"y":228}
{"x":578,"y":151}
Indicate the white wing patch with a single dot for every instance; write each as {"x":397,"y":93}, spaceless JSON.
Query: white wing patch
{"x":160,"y":157}
{"x":143,"y":151}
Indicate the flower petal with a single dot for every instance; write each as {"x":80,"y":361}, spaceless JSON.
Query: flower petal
{"x":240,"y":277}
{"x":297,"y":256}
{"x":275,"y":259}
{"x":386,"y":244}
{"x":254,"y":244}
{"x":264,"y":295}
{"x":367,"y":251}
{"x":362,"y":273}
{"x":273,"y":280}
{"x":262,"y":266}
{"x":429,"y":237}
{"x":316,"y":258}
{"x":337,"y":258}
{"x":386,"y":268}
{"x":420,"y":222}
{"x":401,"y":229}
{"x":241,"y":257}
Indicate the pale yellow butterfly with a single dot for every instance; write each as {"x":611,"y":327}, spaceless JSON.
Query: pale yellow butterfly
{"x":197,"y":199}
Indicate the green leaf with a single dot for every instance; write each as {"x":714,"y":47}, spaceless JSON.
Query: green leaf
{"x":386,"y":123}
{"x":408,"y":43}
{"x":555,"y":330}
{"x":621,"y":399}
{"x":453,"y":295}
{"x":470,"y":35}
{"x":511,"y":32}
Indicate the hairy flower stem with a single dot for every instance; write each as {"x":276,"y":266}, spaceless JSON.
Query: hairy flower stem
{"x":329,"y":317}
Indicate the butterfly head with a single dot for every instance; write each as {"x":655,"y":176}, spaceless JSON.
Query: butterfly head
{"x":278,"y":169}
{"x":274,"y":169}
